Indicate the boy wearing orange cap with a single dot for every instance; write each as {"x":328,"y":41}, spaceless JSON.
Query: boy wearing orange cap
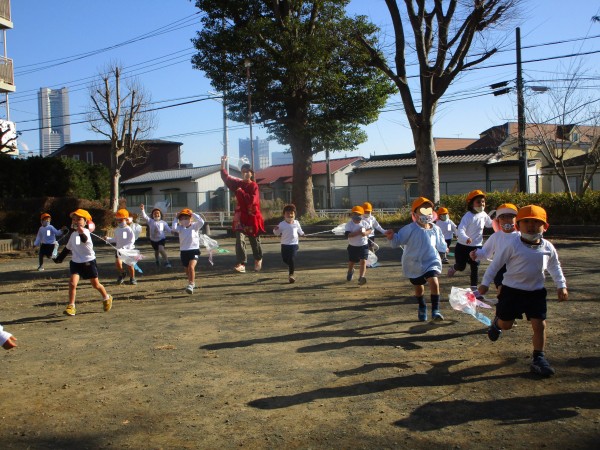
{"x":373,"y":224}
{"x":357,"y":231}
{"x":448,"y":228}
{"x":423,"y":242}
{"x":83,"y":261}
{"x":189,"y":243}
{"x":46,"y":239}
{"x":470,"y":235}
{"x":124,"y":239}
{"x":527,"y":257}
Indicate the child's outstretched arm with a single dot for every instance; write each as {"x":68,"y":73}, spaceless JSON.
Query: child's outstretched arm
{"x":7,"y":340}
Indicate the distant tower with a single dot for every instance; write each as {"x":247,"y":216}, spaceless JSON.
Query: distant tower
{"x":281,"y":158}
{"x":261,"y":152}
{"x":55,"y":128}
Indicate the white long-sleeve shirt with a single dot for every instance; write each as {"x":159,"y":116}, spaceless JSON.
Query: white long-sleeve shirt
{"x":156,"y":228}
{"x":189,"y":237}
{"x":81,"y":251}
{"x":360,"y":240}
{"x":526,"y":265}
{"x":471,"y":226}
{"x":494,"y":243}
{"x":124,"y":238}
{"x":422,"y":248}
{"x":4,"y":336}
{"x":47,"y":235}
{"x":373,"y":224}
{"x":448,"y":228}
{"x":289,"y":232}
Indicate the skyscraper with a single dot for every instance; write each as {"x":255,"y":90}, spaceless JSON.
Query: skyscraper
{"x":261,"y":152}
{"x":55,"y":128}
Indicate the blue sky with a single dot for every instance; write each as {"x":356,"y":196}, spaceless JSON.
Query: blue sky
{"x":50,"y":32}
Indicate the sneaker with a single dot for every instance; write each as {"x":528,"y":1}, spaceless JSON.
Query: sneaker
{"x":107,"y":303}
{"x":451,"y":271}
{"x":190,"y":289}
{"x":292,"y":279}
{"x":422,"y":314}
{"x":445,"y":261}
{"x":361,"y":281}
{"x":350,"y":275}
{"x":240,"y":268}
{"x":121,"y":279}
{"x":541,"y":366}
{"x":40,"y":268}
{"x":70,"y":311}
{"x":436,"y":315}
{"x":132,"y":281}
{"x":258,"y":265}
{"x":168,"y":265}
{"x":494,"y":332}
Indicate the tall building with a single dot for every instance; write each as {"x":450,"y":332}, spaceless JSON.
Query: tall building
{"x":261,"y":152}
{"x":281,"y":158}
{"x":55,"y":128}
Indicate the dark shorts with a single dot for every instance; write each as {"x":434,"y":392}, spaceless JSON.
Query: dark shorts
{"x":155,"y":244}
{"x":355,"y":254}
{"x":46,"y":250}
{"x":86,"y":270}
{"x":500,"y":276}
{"x":513,"y":303}
{"x":189,"y":255}
{"x":423,"y":278}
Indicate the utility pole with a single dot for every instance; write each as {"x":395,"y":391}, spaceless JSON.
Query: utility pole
{"x":328,"y":171}
{"x":522,"y":146}
{"x":225,"y":152}
{"x":247,"y":64}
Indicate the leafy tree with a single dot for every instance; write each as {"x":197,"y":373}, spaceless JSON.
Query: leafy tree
{"x":121,"y":114}
{"x":310,"y":84}
{"x":441,"y":34}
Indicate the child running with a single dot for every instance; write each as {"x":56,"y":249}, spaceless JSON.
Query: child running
{"x":372,"y":223}
{"x":527,"y":256}
{"x":124,"y":239}
{"x":157,"y":228}
{"x":423,"y":242}
{"x":448,"y":228}
{"x":7,"y":340}
{"x":83,"y":261}
{"x":189,"y":243}
{"x":46,"y":239}
{"x":470,"y":236}
{"x":289,"y":229}
{"x":357,"y":231}
{"x":504,"y":224}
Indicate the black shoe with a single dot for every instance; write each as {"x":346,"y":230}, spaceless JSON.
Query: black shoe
{"x":541,"y":366}
{"x":494,"y":332}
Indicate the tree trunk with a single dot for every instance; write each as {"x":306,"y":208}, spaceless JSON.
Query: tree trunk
{"x":115,"y":178}
{"x":302,"y":187}
{"x":427,"y":163}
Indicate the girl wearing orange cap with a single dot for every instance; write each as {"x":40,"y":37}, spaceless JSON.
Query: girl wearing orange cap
{"x":189,"y":243}
{"x":357,"y":231}
{"x":373,"y":224}
{"x":83,"y":261}
{"x":124,"y":239}
{"x":470,"y":235}
{"x":527,"y":257}
{"x":46,"y":239}
{"x":423,"y":242}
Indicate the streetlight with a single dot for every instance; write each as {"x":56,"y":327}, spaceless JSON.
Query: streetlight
{"x":247,"y":64}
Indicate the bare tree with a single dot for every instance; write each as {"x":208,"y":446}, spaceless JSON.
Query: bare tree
{"x":8,"y":137}
{"x":565,"y":130}
{"x":443,"y":33}
{"x":123,"y":116}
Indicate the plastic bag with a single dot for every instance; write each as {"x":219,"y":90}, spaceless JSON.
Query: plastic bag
{"x":339,"y":230}
{"x":211,"y":245}
{"x":464,"y":300}
{"x":130,"y":256}
{"x":55,"y":251}
{"x":372,"y":260}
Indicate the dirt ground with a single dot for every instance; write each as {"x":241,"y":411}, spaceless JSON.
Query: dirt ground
{"x":250,"y":361}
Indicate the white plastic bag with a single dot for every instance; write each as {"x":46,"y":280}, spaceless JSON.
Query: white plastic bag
{"x":372,"y":260}
{"x":464,"y":300}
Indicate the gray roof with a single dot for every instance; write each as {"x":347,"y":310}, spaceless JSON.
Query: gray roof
{"x":172,"y":175}
{"x":446,"y":157}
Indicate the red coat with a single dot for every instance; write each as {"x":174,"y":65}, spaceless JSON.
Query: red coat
{"x":247,"y":216}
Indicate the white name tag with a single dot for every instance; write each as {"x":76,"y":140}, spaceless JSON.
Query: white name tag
{"x":77,"y":240}
{"x":449,"y":227}
{"x":433,"y":240}
{"x":124,"y":234}
{"x":160,"y":226}
{"x":47,"y":232}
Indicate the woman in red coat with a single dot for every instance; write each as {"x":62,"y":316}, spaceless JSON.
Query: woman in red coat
{"x":247,"y":218}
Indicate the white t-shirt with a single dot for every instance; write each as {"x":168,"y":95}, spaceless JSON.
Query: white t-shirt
{"x":360,"y":240}
{"x":81,"y":252}
{"x":471,"y":227}
{"x":289,"y":232}
{"x":189,"y":237}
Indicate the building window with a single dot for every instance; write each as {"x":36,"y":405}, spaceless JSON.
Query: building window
{"x":89,"y":157}
{"x":76,"y":157}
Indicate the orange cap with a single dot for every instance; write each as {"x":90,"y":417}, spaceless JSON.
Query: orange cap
{"x":358,"y":210}
{"x":418,"y":202}
{"x":45,"y":216}
{"x":532,"y":212}
{"x":367,"y":207}
{"x":442,"y":210}
{"x":185,"y":212}
{"x":506,"y":208}
{"x":476,"y":193}
{"x":122,"y":214}
{"x":81,"y":213}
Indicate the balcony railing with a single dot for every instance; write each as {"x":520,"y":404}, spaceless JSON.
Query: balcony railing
{"x":6,"y":71}
{"x":5,"y":10}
